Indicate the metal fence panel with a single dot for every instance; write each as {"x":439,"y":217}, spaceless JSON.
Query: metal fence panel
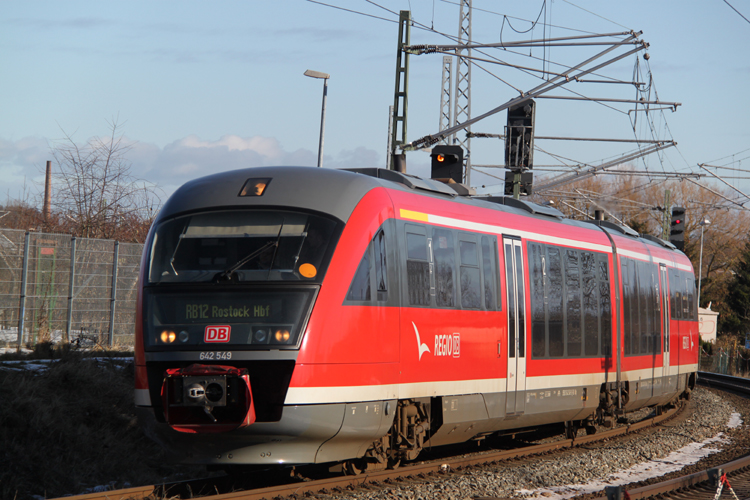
{"x":128,"y":268}
{"x":47,"y":277}
{"x":92,"y":290}
{"x":11,"y":261}
{"x":67,"y":300}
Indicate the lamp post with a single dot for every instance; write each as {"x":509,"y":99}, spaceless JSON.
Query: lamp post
{"x":324,"y":77}
{"x":705,"y":222}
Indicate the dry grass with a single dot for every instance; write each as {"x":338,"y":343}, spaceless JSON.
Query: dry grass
{"x":72,"y":427}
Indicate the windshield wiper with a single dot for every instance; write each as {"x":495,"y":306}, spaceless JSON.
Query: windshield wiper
{"x":226,"y":275}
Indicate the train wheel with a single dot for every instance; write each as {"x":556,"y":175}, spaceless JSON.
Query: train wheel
{"x":354,"y":467}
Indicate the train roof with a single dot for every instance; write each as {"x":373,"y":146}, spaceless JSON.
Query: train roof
{"x":337,"y":192}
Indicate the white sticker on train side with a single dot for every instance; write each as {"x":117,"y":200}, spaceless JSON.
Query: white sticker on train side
{"x":448,"y":345}
{"x":420,"y":346}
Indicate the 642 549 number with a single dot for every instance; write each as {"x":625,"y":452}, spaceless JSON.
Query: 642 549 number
{"x":215,"y":355}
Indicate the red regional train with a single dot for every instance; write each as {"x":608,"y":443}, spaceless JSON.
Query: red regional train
{"x":291,"y":315}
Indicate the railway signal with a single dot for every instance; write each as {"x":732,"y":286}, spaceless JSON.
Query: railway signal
{"x":677,"y":231}
{"x":447,"y":163}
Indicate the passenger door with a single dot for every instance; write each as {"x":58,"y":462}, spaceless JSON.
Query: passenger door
{"x":516,"y":307}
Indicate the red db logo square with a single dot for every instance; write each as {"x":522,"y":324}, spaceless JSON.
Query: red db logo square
{"x":217,"y":333}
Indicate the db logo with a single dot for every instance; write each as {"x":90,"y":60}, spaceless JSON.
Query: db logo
{"x":217,"y":333}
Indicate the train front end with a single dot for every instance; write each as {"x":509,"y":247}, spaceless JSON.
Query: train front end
{"x":229,"y":279}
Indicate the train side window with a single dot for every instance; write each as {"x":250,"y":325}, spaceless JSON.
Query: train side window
{"x":605,"y":305}
{"x":573,"y":303}
{"x":445,"y":257}
{"x":537,"y":274}
{"x":676,"y":286}
{"x":360,"y":287}
{"x":521,"y":293}
{"x":590,"y":304}
{"x":635,"y":311}
{"x":381,"y":266}
{"x":644,"y":280}
{"x":555,"y":303}
{"x":488,"y":274}
{"x":417,"y":269}
{"x":627,"y":304}
{"x":655,"y":309}
{"x":471,"y":290}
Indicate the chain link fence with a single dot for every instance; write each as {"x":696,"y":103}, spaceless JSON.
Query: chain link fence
{"x":733,"y":361}
{"x":56,"y":288}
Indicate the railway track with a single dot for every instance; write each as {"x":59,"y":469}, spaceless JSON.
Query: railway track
{"x":700,"y":485}
{"x":415,"y":472}
{"x":694,"y":486}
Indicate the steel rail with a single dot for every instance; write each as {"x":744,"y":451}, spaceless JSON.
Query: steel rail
{"x":414,"y":472}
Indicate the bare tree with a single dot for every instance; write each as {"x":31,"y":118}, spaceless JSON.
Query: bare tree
{"x":96,"y":196}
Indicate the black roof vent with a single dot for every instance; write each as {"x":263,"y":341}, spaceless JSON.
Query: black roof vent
{"x":528,"y":206}
{"x":407,"y":180}
{"x":615,"y":227}
{"x":659,"y":241}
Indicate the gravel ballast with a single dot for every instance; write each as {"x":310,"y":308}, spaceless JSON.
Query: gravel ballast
{"x":541,"y":477}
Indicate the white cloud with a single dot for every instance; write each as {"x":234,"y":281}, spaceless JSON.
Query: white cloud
{"x":178,"y":162}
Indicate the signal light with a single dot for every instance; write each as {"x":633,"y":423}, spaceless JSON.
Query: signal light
{"x":677,"y":229}
{"x":448,"y":163}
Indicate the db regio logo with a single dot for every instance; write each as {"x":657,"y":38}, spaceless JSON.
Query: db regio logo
{"x":217,"y":333}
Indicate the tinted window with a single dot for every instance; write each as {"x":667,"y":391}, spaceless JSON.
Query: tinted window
{"x":241,"y":245}
{"x":417,"y":270}
{"x":488,"y":274}
{"x":443,"y":249}
{"x":605,"y":304}
{"x":416,"y":246}
{"x":381,"y":265}
{"x":511,"y":297}
{"x":573,"y":302}
{"x":555,"y":305}
{"x":470,"y":277}
{"x":360,"y":287}
{"x":538,"y":319}
{"x":590,"y":294}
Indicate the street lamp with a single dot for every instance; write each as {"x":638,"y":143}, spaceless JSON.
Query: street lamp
{"x":325,"y":77}
{"x":705,"y":222}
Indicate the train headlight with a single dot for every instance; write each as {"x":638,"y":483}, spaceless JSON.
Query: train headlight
{"x":282,"y":335}
{"x":168,"y":336}
{"x":183,"y":336}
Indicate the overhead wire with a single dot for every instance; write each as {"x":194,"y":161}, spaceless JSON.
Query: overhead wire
{"x":737,"y":11}
{"x":544,"y":60}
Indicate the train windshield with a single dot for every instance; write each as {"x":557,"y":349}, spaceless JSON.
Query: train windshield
{"x":242,"y":246}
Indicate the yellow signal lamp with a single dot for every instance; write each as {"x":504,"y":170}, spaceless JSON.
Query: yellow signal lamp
{"x":282,"y":335}
{"x":168,"y":336}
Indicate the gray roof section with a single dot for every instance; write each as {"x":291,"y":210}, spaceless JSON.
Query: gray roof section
{"x":334,"y":192}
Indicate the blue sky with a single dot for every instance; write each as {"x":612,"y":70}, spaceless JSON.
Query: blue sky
{"x":201,"y":87}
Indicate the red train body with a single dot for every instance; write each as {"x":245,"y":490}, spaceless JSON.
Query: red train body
{"x":359,"y":316}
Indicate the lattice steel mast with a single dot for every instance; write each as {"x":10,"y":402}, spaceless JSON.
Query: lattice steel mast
{"x":462,"y":96}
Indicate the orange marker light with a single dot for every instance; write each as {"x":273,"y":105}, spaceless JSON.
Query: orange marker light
{"x":441,"y":158}
{"x":308,"y":270}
